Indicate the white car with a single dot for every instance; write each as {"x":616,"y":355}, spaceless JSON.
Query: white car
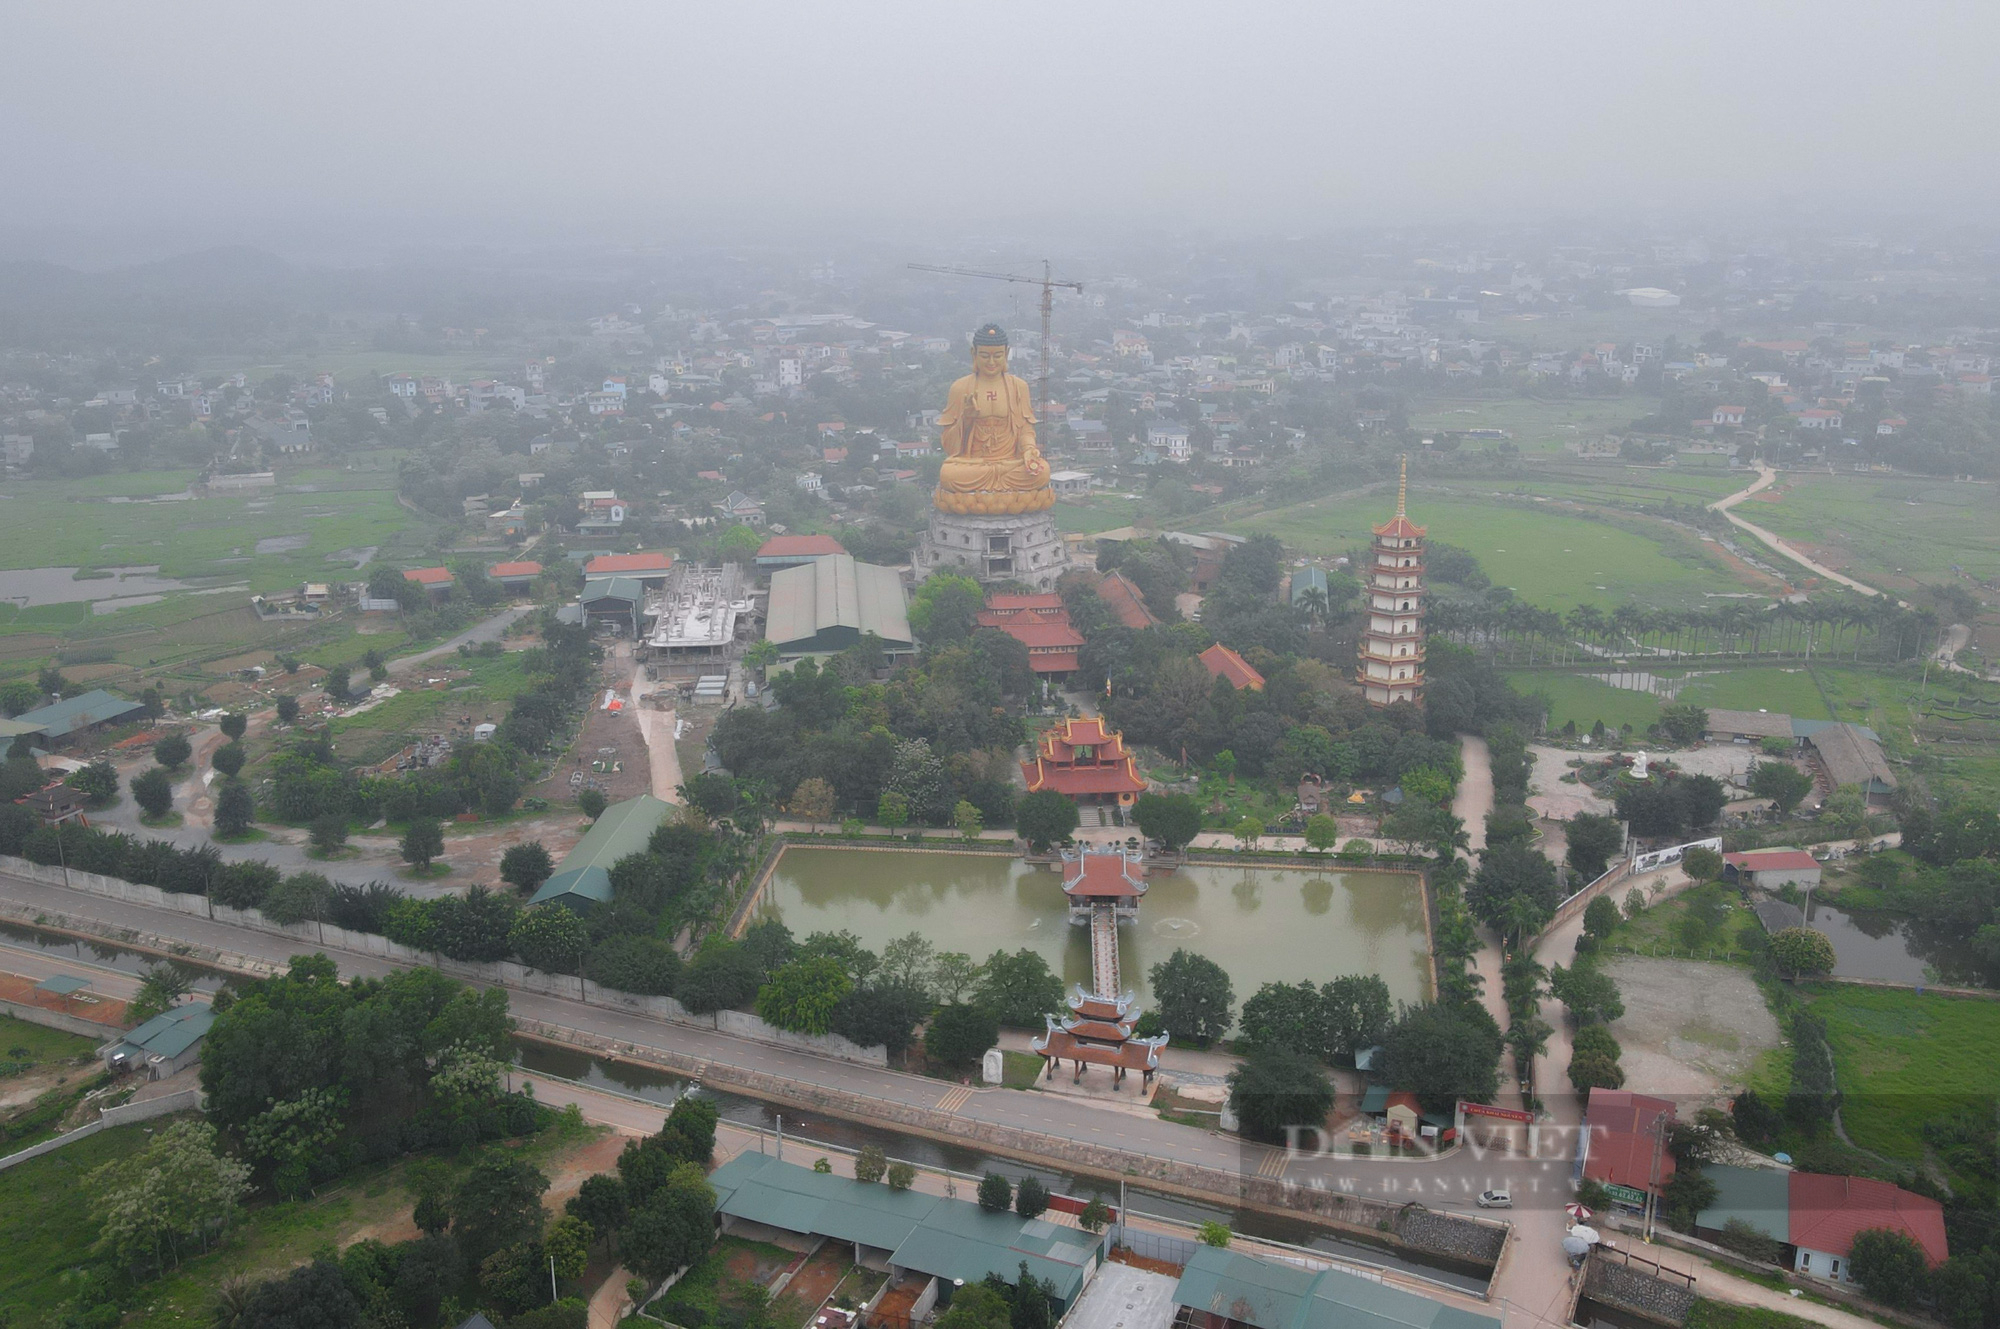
{"x":1495,"y":1200}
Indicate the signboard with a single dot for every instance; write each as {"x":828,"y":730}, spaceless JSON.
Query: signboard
{"x":1505,"y":1114}
{"x":1627,"y":1195}
{"x":1662,"y":857}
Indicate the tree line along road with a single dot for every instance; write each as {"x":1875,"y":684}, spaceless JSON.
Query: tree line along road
{"x":1450,"y":1182}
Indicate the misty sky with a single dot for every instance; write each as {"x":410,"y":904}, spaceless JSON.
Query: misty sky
{"x":628,"y":122}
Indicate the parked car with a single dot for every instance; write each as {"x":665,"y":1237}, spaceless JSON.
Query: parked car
{"x":1495,"y":1200}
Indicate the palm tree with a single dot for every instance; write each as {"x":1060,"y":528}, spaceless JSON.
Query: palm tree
{"x":1313,"y":599}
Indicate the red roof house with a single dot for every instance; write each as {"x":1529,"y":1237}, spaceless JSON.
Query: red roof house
{"x":1827,"y":1212}
{"x":1627,"y":1140}
{"x":629,"y":565}
{"x":790,"y":551}
{"x":514,"y":572}
{"x":1085,"y":760}
{"x":1117,"y":590}
{"x":435,"y":580}
{"x":1225,"y":663}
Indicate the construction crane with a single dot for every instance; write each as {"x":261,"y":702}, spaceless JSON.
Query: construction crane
{"x":1048,"y":283}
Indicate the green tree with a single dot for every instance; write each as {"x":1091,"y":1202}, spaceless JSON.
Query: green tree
{"x":960,"y":1034}
{"x":549,"y":937}
{"x":762,"y":654}
{"x":591,"y":803}
{"x":1601,"y":918}
{"x":1802,"y":952}
{"x":173,"y":751}
{"x":154,"y":792}
{"x":421,"y":843}
{"x":1701,"y":864}
{"x":526,"y":866}
{"x":1096,"y":1215}
{"x":1356,"y":1012}
{"x":1683,"y":725}
{"x":300,"y":898}
{"x":1781,"y":782}
{"x":568,"y":1240}
{"x":1248,"y":832}
{"x":328,"y":833}
{"x":1031,"y":1198}
{"x":946,"y":608}
{"x":228,"y":759}
{"x":803,"y":995}
{"x":179,"y":1193}
{"x":902,"y":1176}
{"x":870,"y":1164}
{"x":1429,"y":785}
{"x":1590,"y":994}
{"x":1275,"y":1088}
{"x":892,"y":809}
{"x":1019,"y":988}
{"x":98,"y":781}
{"x":813,"y":801}
{"x":673,"y":1227}
{"x":969,"y":820}
{"x":601,"y":1202}
{"x":1442,"y":1052}
{"x":1322,"y":831}
{"x":288,"y":709}
{"x":160,"y":989}
{"x":1045,"y":818}
{"x":1193,"y":997}
{"x":1211,"y":1233}
{"x":1171,"y":820}
{"x":292,"y":1136}
{"x":996,"y":1193}
{"x":1593,"y":839}
{"x":722,"y":975}
{"x":1846,"y":812}
{"x":976,"y":1306}
{"x":338,"y":683}
{"x":1512,"y":872}
{"x":497,"y":1204}
{"x":1289,"y":1016}
{"x":234,"y":809}
{"x":234,"y":725}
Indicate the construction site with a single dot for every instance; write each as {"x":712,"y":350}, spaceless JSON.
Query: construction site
{"x":699,"y":623}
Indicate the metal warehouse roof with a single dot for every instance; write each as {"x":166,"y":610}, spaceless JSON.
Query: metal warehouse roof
{"x":945,"y":1238}
{"x":585,"y":871}
{"x":172,"y":1031}
{"x":1277,"y":1296}
{"x":65,"y":717}
{"x":1759,"y":1196}
{"x":837,"y":592}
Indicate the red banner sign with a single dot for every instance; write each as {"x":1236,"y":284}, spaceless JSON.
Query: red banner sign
{"x":1505,"y":1114}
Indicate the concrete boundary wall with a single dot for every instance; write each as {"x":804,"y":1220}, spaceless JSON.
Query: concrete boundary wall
{"x":500,"y":973}
{"x":69,"y":1024}
{"x":145,"y":1110}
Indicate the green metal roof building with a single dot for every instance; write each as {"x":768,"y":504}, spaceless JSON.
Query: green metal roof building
{"x":829,"y":604}
{"x":73,"y":715}
{"x":165,"y":1043}
{"x":583,"y":878}
{"x":924,"y":1234}
{"x":1225,"y":1288}
{"x":1759,"y":1196}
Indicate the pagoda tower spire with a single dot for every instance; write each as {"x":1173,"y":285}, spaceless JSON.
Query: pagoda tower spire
{"x":1392,"y":643}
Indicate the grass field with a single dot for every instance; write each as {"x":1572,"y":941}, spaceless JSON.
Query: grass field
{"x":50,"y":525}
{"x":377,"y":734}
{"x":1902,"y":1059}
{"x":1894,"y":531}
{"x":1536,"y":426}
{"x":1946,"y":726}
{"x":46,"y":1231}
{"x":21,"y":1041}
{"x":1586,"y":700}
{"x":1615,"y":484}
{"x":1549,"y":557}
{"x":1101,"y":513}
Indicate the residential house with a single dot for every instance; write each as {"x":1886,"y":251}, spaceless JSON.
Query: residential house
{"x":602,"y":512}
{"x":515,"y":576}
{"x":1625,"y":1143}
{"x":789,"y":551}
{"x":1769,"y":869}
{"x":740,"y":507}
{"x":1816,"y":1217}
{"x":1070,"y":483}
{"x":435,"y":581}
{"x":167,"y":1043}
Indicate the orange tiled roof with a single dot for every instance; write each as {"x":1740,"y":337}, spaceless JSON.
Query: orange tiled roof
{"x":1225,"y":663}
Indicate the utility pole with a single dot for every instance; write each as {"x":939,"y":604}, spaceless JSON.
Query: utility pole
{"x":1048,"y":283}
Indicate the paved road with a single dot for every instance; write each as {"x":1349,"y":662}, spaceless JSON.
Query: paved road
{"x":1766,"y":477}
{"x":493,"y":629}
{"x":1446,"y":1183}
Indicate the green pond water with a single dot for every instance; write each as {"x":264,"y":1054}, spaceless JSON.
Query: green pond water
{"x":1260,"y":924}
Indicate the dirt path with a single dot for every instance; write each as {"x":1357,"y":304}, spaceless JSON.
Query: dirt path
{"x":1766,"y":477}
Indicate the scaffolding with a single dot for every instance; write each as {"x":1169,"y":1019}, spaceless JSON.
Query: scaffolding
{"x":694,"y":619}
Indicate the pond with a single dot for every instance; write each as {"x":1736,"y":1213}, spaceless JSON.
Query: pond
{"x":1883,"y":947}
{"x":28,"y":587}
{"x":1260,"y":924}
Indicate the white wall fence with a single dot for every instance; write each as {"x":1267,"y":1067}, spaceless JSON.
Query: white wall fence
{"x":502,"y":973}
{"x":182,"y":1100}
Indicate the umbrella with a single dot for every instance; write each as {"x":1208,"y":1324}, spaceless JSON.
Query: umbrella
{"x":1587,"y":1235}
{"x":1577,"y":1212}
{"x":1575,"y":1246}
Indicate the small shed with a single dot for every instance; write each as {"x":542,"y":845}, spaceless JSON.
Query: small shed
{"x":583,"y":878}
{"x":167,"y":1043}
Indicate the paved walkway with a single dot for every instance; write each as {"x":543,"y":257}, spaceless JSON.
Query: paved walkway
{"x":493,"y":629}
{"x":1766,"y":477}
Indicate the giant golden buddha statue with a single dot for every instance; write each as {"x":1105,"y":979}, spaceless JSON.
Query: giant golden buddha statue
{"x":991,"y":463}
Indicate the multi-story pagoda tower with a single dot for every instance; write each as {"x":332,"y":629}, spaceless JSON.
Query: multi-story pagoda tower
{"x":1392,"y":645}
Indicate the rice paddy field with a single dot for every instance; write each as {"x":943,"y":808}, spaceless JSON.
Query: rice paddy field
{"x":1555,"y":556}
{"x":1890,"y":531}
{"x":1536,"y":425}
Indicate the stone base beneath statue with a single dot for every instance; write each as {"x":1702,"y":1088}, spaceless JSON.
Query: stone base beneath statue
{"x":1022,"y":547}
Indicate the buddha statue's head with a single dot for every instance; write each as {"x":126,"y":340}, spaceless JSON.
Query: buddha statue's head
{"x":989,"y":351}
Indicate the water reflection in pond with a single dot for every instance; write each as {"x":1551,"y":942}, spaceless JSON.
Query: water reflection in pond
{"x":1889,"y":949}
{"x":1260,"y":924}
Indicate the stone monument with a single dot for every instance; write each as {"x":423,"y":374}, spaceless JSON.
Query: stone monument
{"x":990,"y":514}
